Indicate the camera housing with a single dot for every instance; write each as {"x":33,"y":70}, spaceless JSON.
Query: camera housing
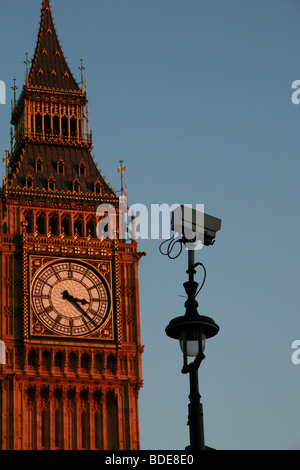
{"x":194,"y":226}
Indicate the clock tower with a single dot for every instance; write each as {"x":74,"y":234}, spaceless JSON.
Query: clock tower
{"x":69,"y":316}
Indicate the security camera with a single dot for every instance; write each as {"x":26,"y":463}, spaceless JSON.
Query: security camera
{"x":194,"y":226}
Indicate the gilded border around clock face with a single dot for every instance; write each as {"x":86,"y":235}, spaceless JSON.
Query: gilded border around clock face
{"x":105,"y":332}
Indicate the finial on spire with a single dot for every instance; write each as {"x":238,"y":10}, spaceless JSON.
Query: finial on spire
{"x":26,"y":62}
{"x":14,"y":88}
{"x":82,"y":68}
{"x":122,"y":170}
{"x":6,"y":160}
{"x":46,"y":4}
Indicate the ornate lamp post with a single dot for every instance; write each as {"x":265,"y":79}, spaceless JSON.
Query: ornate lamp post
{"x":192,"y":330}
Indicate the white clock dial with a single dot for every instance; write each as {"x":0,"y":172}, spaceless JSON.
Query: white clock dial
{"x":70,"y":298}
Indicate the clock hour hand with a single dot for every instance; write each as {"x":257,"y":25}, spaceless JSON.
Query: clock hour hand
{"x":70,"y":298}
{"x":83,"y":301}
{"x":67,"y":296}
{"x":74,"y":301}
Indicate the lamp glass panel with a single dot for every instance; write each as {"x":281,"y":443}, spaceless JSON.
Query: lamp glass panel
{"x":189,"y":342}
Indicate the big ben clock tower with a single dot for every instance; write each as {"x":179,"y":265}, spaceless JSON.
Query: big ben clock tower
{"x":69,"y":313}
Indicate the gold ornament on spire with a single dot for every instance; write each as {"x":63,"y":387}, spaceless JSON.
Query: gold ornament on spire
{"x":122,"y":170}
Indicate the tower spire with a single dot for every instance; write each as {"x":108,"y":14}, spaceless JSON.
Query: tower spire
{"x":49,"y":66}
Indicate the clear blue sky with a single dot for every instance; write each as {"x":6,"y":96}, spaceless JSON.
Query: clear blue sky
{"x":195,"y":95}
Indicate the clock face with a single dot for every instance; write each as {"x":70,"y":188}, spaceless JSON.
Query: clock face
{"x":70,"y":298}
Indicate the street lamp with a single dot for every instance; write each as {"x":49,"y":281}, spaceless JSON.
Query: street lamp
{"x":192,"y":330}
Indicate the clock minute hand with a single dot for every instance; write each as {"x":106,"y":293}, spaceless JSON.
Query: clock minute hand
{"x":84,"y":313}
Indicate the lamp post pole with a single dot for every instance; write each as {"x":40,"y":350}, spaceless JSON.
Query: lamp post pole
{"x":195,"y":416}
